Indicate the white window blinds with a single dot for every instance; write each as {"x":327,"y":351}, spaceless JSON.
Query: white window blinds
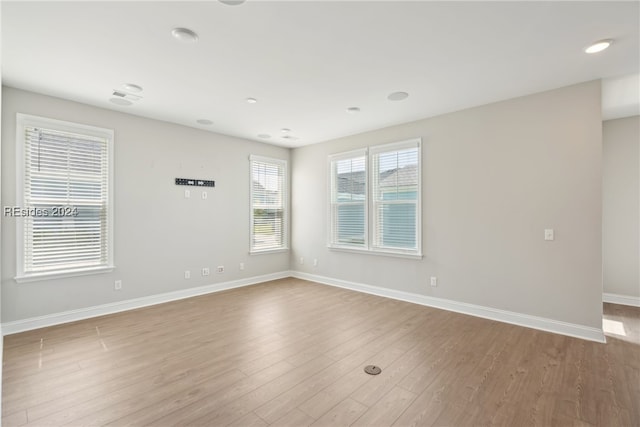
{"x":66,"y":197}
{"x":348,"y":214}
{"x":268,"y":204}
{"x":375,"y":199}
{"x":396,"y":197}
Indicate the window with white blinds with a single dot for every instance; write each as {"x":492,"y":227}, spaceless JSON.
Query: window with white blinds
{"x":395,"y":182}
{"x":268,"y":204}
{"x":375,"y":199}
{"x":64,"y":186}
{"x":348,"y":216}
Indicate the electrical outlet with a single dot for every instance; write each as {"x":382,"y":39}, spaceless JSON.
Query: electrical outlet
{"x":187,"y":274}
{"x":117,"y":285}
{"x":204,"y":195}
{"x":187,"y":194}
{"x":242,"y":266}
{"x":549,"y":234}
{"x":220,"y":269}
{"x":434,"y":281}
{"x":205,"y":271}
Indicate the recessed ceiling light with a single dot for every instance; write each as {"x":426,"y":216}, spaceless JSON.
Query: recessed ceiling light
{"x":184,"y":35}
{"x":397,"y":96}
{"x":120,"y":101}
{"x":599,"y":46}
{"x":285,"y":130}
{"x":264,"y":135}
{"x":290,"y":137}
{"x":126,"y":95}
{"x":130,"y":87}
{"x":353,"y":110}
{"x":232,"y":2}
{"x":251,"y":100}
{"x":204,"y":122}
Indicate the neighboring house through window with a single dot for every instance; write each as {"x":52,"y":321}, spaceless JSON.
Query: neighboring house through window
{"x":375,"y":199}
{"x":349,"y":199}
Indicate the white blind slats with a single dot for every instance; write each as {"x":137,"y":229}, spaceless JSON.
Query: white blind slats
{"x":268,"y":204}
{"x":40,"y":201}
{"x":375,"y":199}
{"x":395,"y":199}
{"x":68,"y":246}
{"x":65,"y":169}
{"x":349,"y":201}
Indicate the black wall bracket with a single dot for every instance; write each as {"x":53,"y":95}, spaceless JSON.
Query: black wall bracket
{"x":195,"y":182}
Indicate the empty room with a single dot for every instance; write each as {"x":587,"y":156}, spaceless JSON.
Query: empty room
{"x":327,"y":213}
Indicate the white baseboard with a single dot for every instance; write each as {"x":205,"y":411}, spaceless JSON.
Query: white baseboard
{"x":541,"y":323}
{"x":621,"y":299}
{"x":14,"y":327}
{"x":549,"y":325}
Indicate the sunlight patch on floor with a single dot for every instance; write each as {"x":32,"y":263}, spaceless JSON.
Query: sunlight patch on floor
{"x":613,"y":327}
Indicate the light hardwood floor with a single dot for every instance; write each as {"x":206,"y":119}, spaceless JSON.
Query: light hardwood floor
{"x":291,"y":353}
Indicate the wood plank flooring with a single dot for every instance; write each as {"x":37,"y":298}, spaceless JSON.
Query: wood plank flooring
{"x":292,"y":353}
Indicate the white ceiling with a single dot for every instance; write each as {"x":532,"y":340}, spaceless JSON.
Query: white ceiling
{"x":306,"y":62}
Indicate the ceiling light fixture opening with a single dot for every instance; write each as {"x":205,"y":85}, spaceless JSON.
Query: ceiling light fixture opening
{"x":205,"y":122}
{"x":232,"y":2}
{"x":285,"y":130}
{"x":251,"y":100}
{"x":397,"y":96}
{"x":184,"y":35}
{"x":130,"y":87}
{"x":353,"y":110}
{"x":599,"y":46}
{"x":126,"y":95}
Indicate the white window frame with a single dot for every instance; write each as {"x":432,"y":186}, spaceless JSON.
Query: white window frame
{"x":285,"y":205}
{"x":22,"y":122}
{"x":370,"y":247}
{"x":332,"y":184}
{"x":396,"y":146}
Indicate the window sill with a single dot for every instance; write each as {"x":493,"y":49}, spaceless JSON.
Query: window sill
{"x":34,"y":277}
{"x":269,"y":251}
{"x":376,"y":252}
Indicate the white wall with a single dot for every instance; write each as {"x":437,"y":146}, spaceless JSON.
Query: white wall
{"x":621,"y":207}
{"x":158,"y":233}
{"x":494,"y":178}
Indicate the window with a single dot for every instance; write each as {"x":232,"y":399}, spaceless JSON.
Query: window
{"x":395,"y":195}
{"x":375,"y":199}
{"x":268,"y":204}
{"x":349,"y":199}
{"x":64,"y":176}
